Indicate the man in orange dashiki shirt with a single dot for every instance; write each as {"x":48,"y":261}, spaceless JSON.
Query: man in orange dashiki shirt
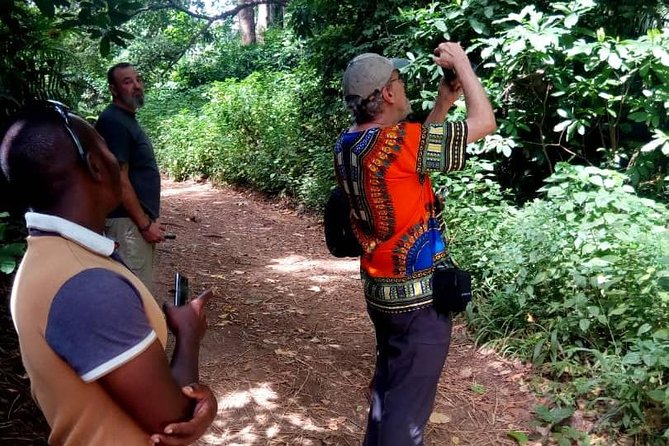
{"x":382,"y":163}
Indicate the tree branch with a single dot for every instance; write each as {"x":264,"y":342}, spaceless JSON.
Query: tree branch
{"x":172,"y":4}
{"x":190,"y":44}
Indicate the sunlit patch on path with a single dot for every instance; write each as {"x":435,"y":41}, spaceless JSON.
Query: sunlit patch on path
{"x":290,"y":349}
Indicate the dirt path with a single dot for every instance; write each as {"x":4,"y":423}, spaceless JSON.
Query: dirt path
{"x":290,"y":348}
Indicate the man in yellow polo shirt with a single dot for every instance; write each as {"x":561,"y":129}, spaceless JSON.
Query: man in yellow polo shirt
{"x":92,"y":337}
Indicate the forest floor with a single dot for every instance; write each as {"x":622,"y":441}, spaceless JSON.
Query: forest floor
{"x":290,"y":349}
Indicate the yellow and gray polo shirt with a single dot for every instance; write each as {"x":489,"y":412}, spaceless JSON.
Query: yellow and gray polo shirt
{"x":80,"y":314}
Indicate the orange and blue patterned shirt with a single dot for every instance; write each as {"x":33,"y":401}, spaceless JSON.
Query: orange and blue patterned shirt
{"x":384,"y":172}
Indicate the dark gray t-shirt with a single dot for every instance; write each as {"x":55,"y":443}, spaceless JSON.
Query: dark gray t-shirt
{"x":128,"y":141}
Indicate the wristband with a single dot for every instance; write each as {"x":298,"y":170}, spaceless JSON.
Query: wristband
{"x":145,"y":228}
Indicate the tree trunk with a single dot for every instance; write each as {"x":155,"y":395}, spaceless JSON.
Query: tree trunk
{"x":262,"y":22}
{"x":275,"y":15}
{"x":247,"y":24}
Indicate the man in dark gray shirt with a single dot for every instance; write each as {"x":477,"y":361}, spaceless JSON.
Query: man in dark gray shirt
{"x":134,"y":224}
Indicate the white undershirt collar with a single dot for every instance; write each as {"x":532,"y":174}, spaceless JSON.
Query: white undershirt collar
{"x":71,"y":231}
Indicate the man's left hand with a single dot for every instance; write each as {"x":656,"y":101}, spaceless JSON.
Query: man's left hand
{"x":181,"y":434}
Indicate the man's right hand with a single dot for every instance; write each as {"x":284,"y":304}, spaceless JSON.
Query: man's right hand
{"x":189,"y":319}
{"x":154,"y":233}
{"x":206,"y":408}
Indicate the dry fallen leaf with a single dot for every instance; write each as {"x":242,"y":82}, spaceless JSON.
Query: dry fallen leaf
{"x":282,"y":352}
{"x":334,"y":423}
{"x":439,"y":418}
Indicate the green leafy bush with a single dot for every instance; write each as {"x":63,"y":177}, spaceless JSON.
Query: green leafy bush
{"x":565,"y":85}
{"x":269,"y":131}
{"x":9,"y":251}
{"x":578,"y":280}
{"x":224,"y":57}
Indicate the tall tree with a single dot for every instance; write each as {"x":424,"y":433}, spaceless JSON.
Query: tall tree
{"x":247,"y":25}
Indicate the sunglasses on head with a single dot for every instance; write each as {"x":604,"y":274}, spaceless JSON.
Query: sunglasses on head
{"x":63,"y":111}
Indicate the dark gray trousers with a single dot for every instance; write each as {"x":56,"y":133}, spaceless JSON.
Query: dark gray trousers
{"x":411,"y":351}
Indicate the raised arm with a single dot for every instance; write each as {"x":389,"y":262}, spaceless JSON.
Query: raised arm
{"x":447,"y":94}
{"x":480,"y":117}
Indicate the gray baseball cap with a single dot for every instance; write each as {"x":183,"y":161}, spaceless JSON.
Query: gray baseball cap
{"x":369,"y":72}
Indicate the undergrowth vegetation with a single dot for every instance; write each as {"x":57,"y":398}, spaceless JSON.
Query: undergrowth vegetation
{"x":267,"y":131}
{"x":577,"y":282}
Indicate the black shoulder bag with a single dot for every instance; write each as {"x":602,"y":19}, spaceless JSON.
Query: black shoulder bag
{"x":339,"y":236}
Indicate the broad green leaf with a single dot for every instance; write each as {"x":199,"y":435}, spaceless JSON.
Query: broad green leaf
{"x":597,"y":262}
{"x":584,"y":324}
{"x":604,"y":53}
{"x":516,"y":47}
{"x":46,"y":7}
{"x":614,"y":61}
{"x":540,"y":277}
{"x":596,"y":180}
{"x":554,"y":415}
{"x":477,"y":26}
{"x":520,"y":437}
{"x":645,"y":328}
{"x":639,"y":116}
{"x":507,"y":151}
{"x":661,"y":334}
{"x":619,"y":310}
{"x":561,"y":126}
{"x":632,"y":358}
{"x":571,"y":20}
{"x":7,"y":265}
{"x":657,"y":395}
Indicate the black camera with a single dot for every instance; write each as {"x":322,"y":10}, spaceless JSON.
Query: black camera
{"x":448,"y":74}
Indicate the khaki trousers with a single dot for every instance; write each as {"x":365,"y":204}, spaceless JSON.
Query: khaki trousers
{"x":137,"y":254}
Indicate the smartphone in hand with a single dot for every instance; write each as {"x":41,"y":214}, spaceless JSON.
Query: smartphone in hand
{"x":180,"y":290}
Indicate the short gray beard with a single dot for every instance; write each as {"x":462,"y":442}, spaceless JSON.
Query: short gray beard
{"x":133,"y":102}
